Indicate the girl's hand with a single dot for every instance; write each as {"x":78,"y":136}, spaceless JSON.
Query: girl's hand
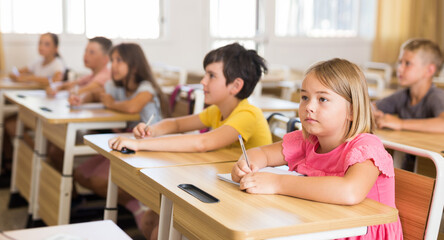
{"x":118,"y":143}
{"x":75,"y":100}
{"x":240,"y":169}
{"x":51,"y":92}
{"x":107,"y":100}
{"x":260,"y":183}
{"x":140,"y":132}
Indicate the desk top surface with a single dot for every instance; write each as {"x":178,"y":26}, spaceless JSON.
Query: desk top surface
{"x":240,"y":215}
{"x":428,"y":141}
{"x":57,"y":110}
{"x":97,"y":230}
{"x":146,"y":159}
{"x":7,"y":83}
{"x":270,"y":104}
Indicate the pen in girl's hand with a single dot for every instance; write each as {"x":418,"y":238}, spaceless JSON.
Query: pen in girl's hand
{"x":149,"y":121}
{"x":244,"y":151}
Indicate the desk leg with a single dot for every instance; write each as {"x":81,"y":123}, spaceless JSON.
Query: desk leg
{"x":39,"y":155}
{"x":15,"y":200}
{"x":174,"y":234}
{"x":66,"y":184}
{"x":18,"y":135}
{"x":166,"y":216}
{"x":111,"y":200}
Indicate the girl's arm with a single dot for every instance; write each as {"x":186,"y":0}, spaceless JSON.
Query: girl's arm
{"x":260,"y":157}
{"x":57,"y":77}
{"x":133,"y":105}
{"x":168,"y":126}
{"x":215,"y":139}
{"x":350,"y":189}
{"x":92,"y":96}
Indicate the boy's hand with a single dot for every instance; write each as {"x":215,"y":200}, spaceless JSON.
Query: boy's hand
{"x":140,"y":132}
{"x":260,"y":183}
{"x":107,"y":100}
{"x":75,"y":100}
{"x":240,"y":169}
{"x":389,"y":121}
{"x":118,"y":143}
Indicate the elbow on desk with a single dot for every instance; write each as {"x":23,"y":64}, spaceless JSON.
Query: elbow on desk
{"x":351,"y":196}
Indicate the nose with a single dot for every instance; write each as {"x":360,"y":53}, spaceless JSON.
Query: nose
{"x":310,"y":106}
{"x":400,"y":67}
{"x":204,"y":80}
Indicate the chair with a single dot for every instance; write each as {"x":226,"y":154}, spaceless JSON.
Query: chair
{"x":280,"y":125}
{"x":187,"y":99}
{"x":280,"y":78}
{"x":382,"y":69}
{"x":419,"y":199}
{"x":376,"y":85}
{"x":168,"y":75}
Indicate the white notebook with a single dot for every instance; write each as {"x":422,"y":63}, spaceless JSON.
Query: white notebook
{"x":276,"y":170}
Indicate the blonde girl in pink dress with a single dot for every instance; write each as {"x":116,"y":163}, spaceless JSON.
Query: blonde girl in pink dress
{"x":343,"y":161}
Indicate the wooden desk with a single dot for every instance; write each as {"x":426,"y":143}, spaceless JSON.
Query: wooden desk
{"x":6,"y":85}
{"x":239,"y":215}
{"x":125,"y":169}
{"x":49,"y":192}
{"x":97,"y":230}
{"x":270,"y":105}
{"x":429,"y":141}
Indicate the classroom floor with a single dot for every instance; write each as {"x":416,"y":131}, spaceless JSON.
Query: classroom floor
{"x":12,"y":219}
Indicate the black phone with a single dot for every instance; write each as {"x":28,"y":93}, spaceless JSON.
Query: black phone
{"x":127,"y":151}
{"x":198,"y":193}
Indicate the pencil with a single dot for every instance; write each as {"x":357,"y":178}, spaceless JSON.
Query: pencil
{"x":244,"y":151}
{"x":149,"y":121}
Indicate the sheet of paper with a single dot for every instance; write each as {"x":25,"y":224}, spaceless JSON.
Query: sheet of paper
{"x":276,"y":170}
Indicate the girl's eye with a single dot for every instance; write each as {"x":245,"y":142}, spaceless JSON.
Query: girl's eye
{"x":323,"y":99}
{"x":304,"y":98}
{"x":407,"y":63}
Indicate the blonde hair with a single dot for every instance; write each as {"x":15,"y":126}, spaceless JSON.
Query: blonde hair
{"x":348,"y":81}
{"x":429,"y":51}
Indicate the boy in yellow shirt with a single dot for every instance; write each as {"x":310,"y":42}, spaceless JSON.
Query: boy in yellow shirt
{"x":231,"y":73}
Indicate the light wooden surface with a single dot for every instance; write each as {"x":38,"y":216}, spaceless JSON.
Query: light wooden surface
{"x":7,"y":84}
{"x":239,"y":215}
{"x":413,"y":197}
{"x":60,"y":112}
{"x":146,"y":159}
{"x":270,"y":104}
{"x":429,"y":141}
{"x":97,"y":230}
{"x":125,"y":167}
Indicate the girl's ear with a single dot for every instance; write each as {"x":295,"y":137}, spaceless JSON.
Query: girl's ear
{"x":236,"y":86}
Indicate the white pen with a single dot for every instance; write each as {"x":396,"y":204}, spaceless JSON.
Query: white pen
{"x":149,"y":121}
{"x":244,"y":151}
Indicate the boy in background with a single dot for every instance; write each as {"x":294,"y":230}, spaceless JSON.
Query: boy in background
{"x":95,"y":58}
{"x":420,"y":106}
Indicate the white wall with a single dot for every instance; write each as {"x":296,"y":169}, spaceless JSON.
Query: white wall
{"x":186,"y":42}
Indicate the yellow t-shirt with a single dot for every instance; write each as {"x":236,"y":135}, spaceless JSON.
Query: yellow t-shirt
{"x":247,"y":119}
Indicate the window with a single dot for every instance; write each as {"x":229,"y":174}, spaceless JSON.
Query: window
{"x":108,"y":18}
{"x":28,"y":16}
{"x":235,"y":21}
{"x":318,"y":18}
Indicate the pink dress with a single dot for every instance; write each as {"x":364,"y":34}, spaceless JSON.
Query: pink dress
{"x":301,"y":156}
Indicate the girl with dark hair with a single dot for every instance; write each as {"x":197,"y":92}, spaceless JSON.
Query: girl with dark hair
{"x":133,"y":89}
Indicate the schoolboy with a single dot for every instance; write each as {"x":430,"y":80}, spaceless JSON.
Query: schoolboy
{"x":95,"y":58}
{"x":231,"y":74}
{"x":420,"y":106}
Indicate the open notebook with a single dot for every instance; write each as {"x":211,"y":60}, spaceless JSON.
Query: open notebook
{"x":275,"y":170}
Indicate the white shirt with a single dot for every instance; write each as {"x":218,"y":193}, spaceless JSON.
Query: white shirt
{"x":38,"y":69}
